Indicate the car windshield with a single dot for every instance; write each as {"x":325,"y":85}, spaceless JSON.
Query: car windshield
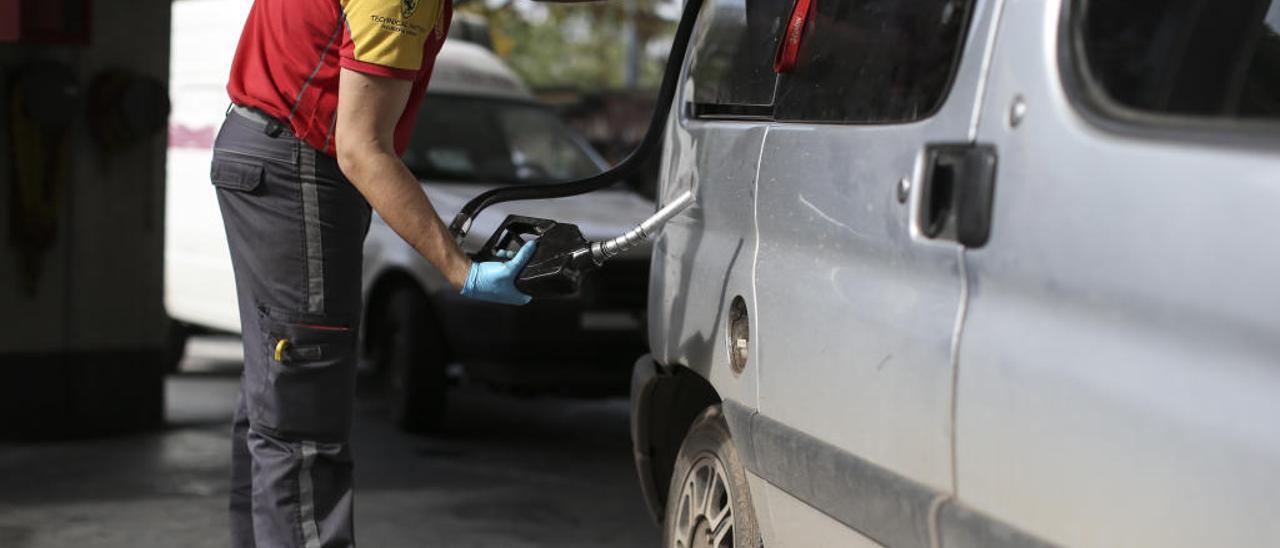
{"x":483,"y":140}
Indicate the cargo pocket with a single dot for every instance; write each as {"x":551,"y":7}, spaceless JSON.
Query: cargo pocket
{"x":310,"y":376}
{"x":235,"y":173}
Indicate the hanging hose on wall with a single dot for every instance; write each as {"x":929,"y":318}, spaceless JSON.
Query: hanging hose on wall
{"x":126,"y":108}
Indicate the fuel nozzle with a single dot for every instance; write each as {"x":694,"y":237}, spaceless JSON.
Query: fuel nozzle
{"x":603,"y":251}
{"x":564,"y":255}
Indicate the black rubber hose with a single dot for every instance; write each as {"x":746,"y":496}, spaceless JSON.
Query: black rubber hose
{"x":651,"y":143}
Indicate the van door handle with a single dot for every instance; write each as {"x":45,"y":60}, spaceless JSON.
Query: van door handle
{"x":957,"y":192}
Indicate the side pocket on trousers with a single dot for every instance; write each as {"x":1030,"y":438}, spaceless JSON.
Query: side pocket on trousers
{"x":231,"y":172}
{"x":310,"y":379}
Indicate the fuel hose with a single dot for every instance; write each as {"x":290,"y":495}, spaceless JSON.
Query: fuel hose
{"x":651,"y":143}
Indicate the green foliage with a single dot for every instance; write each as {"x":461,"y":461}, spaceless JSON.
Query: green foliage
{"x":578,"y":46}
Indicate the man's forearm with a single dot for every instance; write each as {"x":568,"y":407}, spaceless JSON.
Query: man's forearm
{"x":398,"y":198}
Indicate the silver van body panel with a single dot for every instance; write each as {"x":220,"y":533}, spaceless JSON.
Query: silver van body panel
{"x":1119,"y":380}
{"x":688,"y":300}
{"x":861,"y":359}
{"x":799,"y":521}
{"x":1104,"y":371}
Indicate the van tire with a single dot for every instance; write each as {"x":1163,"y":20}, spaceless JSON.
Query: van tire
{"x":409,"y":351}
{"x":708,"y":464}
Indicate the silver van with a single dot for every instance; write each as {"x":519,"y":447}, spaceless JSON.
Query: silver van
{"x":970,"y":273}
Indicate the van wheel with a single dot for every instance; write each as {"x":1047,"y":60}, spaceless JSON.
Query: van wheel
{"x":409,"y":351}
{"x":708,"y":503}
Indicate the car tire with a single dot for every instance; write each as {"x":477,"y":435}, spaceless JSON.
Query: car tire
{"x":410,"y":353}
{"x":708,"y":467}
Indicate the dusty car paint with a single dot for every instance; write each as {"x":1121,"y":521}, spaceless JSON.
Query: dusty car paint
{"x":1100,"y":372}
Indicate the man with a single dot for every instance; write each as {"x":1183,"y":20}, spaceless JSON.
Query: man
{"x":324,"y":93}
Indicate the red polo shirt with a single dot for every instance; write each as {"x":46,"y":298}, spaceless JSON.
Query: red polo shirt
{"x":291,"y":51}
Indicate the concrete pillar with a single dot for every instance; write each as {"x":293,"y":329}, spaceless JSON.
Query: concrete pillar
{"x":81,"y":349}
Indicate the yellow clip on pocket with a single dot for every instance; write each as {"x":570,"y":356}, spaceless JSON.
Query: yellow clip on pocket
{"x":280,"y":346}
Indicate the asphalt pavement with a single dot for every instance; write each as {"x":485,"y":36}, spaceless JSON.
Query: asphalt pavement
{"x":507,"y":472}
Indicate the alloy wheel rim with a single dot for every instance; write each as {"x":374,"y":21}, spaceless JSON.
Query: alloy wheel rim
{"x":704,"y":512}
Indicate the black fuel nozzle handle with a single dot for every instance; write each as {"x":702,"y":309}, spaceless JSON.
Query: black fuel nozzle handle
{"x":559,"y":262}
{"x":563,"y":256}
{"x":512,"y":234}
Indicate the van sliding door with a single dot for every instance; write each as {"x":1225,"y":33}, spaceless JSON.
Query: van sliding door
{"x":857,"y":309}
{"x":1119,"y":376}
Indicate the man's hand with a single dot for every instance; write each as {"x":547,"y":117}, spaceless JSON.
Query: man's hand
{"x":496,"y":281}
{"x":369,"y":107}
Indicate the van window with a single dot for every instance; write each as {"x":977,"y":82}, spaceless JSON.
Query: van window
{"x":875,"y":61}
{"x":1204,"y":58}
{"x":732,"y":67}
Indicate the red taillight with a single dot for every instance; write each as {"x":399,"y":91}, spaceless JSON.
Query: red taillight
{"x":792,"y":36}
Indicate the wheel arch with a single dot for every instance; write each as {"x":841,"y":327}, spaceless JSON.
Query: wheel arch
{"x":666,"y":400}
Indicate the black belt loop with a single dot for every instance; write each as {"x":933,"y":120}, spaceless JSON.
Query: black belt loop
{"x":274,"y":128}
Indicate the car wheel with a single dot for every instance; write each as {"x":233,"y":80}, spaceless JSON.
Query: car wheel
{"x":708,"y":503}
{"x":410,"y":352}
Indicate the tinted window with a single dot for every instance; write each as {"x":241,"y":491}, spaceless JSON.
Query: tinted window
{"x":875,"y":61}
{"x":733,"y":59}
{"x":1185,"y":57}
{"x":494,"y":141}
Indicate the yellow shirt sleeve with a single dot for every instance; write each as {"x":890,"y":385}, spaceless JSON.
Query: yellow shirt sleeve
{"x":391,"y":33}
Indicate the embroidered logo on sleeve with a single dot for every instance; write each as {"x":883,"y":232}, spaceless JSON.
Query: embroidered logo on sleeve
{"x":392,"y":33}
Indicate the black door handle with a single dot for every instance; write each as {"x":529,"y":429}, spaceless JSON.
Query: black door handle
{"x":957,"y":193}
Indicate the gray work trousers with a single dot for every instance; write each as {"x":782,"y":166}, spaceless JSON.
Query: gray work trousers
{"x":296,"y":230}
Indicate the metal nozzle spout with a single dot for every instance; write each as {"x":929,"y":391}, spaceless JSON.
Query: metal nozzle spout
{"x":603,"y":251}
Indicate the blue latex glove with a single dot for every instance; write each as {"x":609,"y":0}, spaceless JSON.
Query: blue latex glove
{"x":496,"y":281}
